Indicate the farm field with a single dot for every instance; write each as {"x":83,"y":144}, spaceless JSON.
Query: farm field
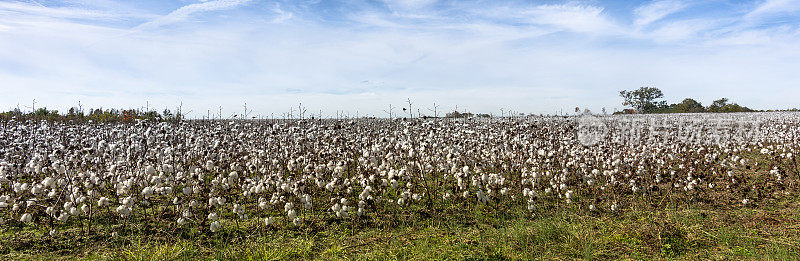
{"x":666,"y":186}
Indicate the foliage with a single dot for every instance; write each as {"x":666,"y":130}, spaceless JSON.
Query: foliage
{"x":95,"y":115}
{"x":644,"y":99}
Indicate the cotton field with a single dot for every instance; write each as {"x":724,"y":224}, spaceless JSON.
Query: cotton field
{"x":291,"y":174}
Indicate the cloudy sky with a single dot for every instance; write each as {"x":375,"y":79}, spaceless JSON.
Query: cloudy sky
{"x":361,"y":56}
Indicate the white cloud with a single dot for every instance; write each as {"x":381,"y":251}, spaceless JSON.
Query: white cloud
{"x":184,"y":12}
{"x":282,"y":15}
{"x":406,"y":5}
{"x":507,"y":54}
{"x":771,"y":7}
{"x":682,"y":30}
{"x":23,"y":9}
{"x":656,"y":10}
{"x":576,"y":18}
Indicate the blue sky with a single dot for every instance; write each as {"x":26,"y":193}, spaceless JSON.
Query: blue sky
{"x":482,"y":56}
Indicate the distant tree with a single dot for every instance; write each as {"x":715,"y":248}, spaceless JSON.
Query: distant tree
{"x":717,"y":105}
{"x":722,"y":105}
{"x":644,"y":99}
{"x":689,"y":105}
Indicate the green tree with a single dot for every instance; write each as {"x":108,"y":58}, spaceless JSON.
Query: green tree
{"x":717,"y":105}
{"x":689,"y":105}
{"x":644,"y":99}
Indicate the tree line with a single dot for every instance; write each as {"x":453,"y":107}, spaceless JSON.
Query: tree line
{"x":95,"y":115}
{"x":649,"y":100}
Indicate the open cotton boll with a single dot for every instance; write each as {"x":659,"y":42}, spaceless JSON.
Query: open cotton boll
{"x":25,"y":218}
{"x":215,"y":226}
{"x":150,"y":170}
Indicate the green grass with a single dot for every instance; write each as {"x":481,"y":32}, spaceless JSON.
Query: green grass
{"x":763,"y":233}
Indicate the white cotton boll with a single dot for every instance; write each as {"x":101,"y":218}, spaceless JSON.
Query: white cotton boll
{"x":213,"y":216}
{"x":123,"y":210}
{"x":103,"y":201}
{"x":209,"y":165}
{"x":53,"y":232}
{"x":36,"y":189}
{"x":181,"y":221}
{"x":269,"y":221}
{"x":297,"y":221}
{"x":25,"y":218}
{"x":63,"y":217}
{"x":292,"y":214}
{"x":128,"y":201}
{"x":149,"y":170}
{"x":84,"y":208}
{"x":147,"y":192}
{"x":186,"y":213}
{"x":215,"y":226}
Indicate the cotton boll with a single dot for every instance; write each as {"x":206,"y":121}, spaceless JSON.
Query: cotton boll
{"x":103,"y":201}
{"x":186,"y":213}
{"x":25,"y":218}
{"x":149,"y":170}
{"x":215,"y":226}
{"x":63,"y":217}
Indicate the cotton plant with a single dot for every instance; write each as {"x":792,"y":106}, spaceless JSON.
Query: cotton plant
{"x":368,"y":168}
